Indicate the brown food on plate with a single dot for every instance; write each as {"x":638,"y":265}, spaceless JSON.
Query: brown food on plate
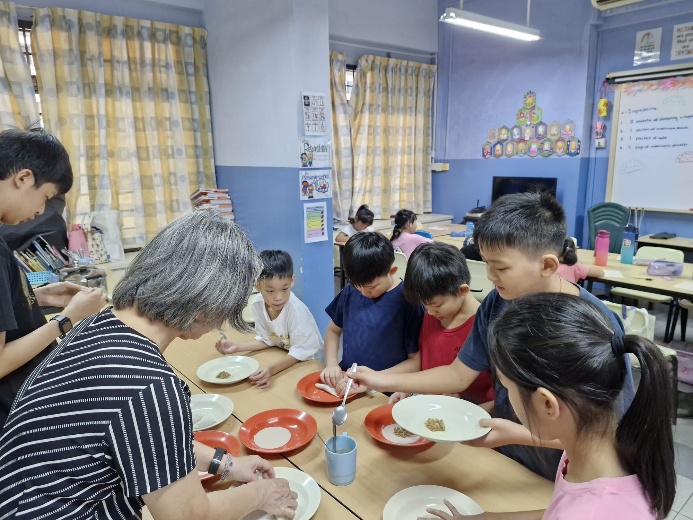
{"x":435,"y":425}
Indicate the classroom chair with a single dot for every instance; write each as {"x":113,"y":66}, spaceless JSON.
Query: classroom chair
{"x":247,"y":314}
{"x":610,"y":217}
{"x":480,"y":285}
{"x":655,"y":253}
{"x":642,"y":323}
{"x":684,"y":306}
{"x":426,"y":234}
{"x":401,"y":264}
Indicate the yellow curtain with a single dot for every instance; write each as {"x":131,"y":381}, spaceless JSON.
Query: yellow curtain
{"x":391,"y":127}
{"x":129,"y":99}
{"x":342,"y":167}
{"x":18,"y":107}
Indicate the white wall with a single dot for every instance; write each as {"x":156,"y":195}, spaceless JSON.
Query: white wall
{"x":409,"y":24}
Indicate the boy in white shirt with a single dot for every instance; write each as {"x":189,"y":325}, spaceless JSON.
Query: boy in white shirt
{"x":281,"y":319}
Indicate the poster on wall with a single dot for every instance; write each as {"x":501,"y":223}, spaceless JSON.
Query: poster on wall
{"x":314,"y":113}
{"x":314,"y":227}
{"x":314,"y":152}
{"x":682,"y":41}
{"x":647,"y":44}
{"x":315,"y":184}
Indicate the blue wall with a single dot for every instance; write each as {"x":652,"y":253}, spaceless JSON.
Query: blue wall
{"x":273,"y":219}
{"x":616,"y":42}
{"x":482,"y":80}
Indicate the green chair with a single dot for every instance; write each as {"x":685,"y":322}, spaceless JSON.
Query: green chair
{"x":610,"y":217}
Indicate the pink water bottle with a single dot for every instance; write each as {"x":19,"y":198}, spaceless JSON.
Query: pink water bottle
{"x":601,"y":247}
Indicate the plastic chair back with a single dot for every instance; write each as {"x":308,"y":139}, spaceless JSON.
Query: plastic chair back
{"x":659,"y":253}
{"x":401,"y":264}
{"x":480,"y":284}
{"x":610,"y":217}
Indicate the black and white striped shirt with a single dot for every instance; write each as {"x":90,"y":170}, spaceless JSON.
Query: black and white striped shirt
{"x":101,"y":422}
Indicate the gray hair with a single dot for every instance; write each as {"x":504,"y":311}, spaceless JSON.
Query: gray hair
{"x":201,"y":265}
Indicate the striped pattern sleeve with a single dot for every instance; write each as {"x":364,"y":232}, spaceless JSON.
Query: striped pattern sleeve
{"x":151,"y":439}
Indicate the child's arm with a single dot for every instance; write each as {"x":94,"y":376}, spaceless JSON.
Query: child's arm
{"x":411,"y":364}
{"x":224,"y":346}
{"x":505,"y":432}
{"x":262,"y":376}
{"x":596,"y":272}
{"x":332,"y":372}
{"x":519,"y":515}
{"x":341,"y":237}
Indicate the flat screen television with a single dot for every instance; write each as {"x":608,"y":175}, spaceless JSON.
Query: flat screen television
{"x":509,"y":185}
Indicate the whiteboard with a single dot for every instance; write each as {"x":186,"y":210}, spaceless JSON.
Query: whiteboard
{"x":651,"y":159}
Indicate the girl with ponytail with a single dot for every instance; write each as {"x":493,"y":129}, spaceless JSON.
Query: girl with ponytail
{"x":569,"y":268}
{"x":361,"y":221}
{"x":403,"y":233}
{"x":564,"y":369}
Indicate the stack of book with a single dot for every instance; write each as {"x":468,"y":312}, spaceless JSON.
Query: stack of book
{"x":38,"y":256}
{"x":213,"y":198}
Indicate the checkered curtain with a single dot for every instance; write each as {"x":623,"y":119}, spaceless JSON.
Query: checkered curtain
{"x":18,"y":107}
{"x":391,"y":135}
{"x":129,"y":99}
{"x":342,"y":166}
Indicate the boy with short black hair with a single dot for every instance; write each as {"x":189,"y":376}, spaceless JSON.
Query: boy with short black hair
{"x":438,"y":278}
{"x":34,"y":167}
{"x":378,"y":327}
{"x":520,"y":238}
{"x":281,"y":319}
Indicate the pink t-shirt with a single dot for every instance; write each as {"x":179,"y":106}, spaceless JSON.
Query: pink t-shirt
{"x":407,"y":242}
{"x":573,"y":273}
{"x":601,"y":499}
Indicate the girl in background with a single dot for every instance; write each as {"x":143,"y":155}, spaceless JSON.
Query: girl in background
{"x":564,"y":369}
{"x":403,"y":235}
{"x":362,"y":221}
{"x":570,"y":269}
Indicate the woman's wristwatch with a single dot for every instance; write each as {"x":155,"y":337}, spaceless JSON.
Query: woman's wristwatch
{"x":216,"y":461}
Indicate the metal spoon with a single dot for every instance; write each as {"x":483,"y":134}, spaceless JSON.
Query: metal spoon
{"x":340,"y":414}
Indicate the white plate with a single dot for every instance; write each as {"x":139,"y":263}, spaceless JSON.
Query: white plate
{"x":411,"y":503}
{"x":239,"y":367}
{"x":209,"y":410}
{"x":461,"y":418}
{"x":308,"y":495}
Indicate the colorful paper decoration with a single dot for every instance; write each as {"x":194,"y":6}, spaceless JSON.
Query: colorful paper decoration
{"x":521,"y":148}
{"x":534,"y":147}
{"x":510,"y":148}
{"x":498,"y":150}
{"x":516,"y":133}
{"x":492,"y":135}
{"x":530,"y":99}
{"x":546,"y":148}
{"x":541,"y":130}
{"x":486,"y":150}
{"x":503,"y":134}
{"x":573,"y":147}
{"x":521,"y":116}
{"x":568,"y":129}
{"x":560,"y":147}
{"x":554,"y":130}
{"x":535,"y":115}
{"x":528,"y":132}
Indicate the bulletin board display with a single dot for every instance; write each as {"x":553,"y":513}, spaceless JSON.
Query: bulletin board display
{"x":651,"y":156}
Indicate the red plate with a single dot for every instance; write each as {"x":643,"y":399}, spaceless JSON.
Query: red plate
{"x":306,"y":387}
{"x":217,"y":439}
{"x":301,"y":425}
{"x":379,"y":418}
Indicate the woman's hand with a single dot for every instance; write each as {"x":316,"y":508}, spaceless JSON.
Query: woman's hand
{"x":398,"y":396}
{"x":331,"y":376}
{"x":246,"y":469}
{"x":276,"y":497}
{"x":57,"y":294}
{"x":261,"y":377}
{"x":224,"y":346}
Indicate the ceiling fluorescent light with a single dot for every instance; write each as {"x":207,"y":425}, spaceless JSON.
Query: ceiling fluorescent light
{"x":491,"y":25}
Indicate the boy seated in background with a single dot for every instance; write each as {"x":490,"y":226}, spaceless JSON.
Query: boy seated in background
{"x":438,"y":278}
{"x":520,"y":238}
{"x":281,"y":319}
{"x":378,"y":327}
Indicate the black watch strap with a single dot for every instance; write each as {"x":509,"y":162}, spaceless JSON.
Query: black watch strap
{"x":64,"y":323}
{"x":216,"y":461}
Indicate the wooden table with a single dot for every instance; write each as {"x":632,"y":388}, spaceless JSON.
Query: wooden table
{"x":444,"y":229}
{"x":680,"y":243}
{"x":458,"y":242}
{"x":494,"y":481}
{"x":636,"y":277}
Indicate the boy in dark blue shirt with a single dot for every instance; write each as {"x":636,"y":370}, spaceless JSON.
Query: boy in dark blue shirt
{"x":378,"y":327}
{"x":520,"y":238}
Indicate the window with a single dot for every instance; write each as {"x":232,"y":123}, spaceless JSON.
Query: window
{"x":350,"y":72}
{"x":25,"y":42}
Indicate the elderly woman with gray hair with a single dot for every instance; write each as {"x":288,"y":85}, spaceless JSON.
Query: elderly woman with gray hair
{"x":103,"y":425}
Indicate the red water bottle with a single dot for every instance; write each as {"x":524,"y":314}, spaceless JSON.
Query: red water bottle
{"x":601,"y":247}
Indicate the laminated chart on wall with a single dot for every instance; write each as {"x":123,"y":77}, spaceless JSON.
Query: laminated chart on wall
{"x":314,"y":218}
{"x":651,"y":159}
{"x":529,"y":135}
{"x":315,"y":106}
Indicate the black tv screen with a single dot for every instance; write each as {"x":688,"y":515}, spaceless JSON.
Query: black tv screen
{"x":509,"y":185}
